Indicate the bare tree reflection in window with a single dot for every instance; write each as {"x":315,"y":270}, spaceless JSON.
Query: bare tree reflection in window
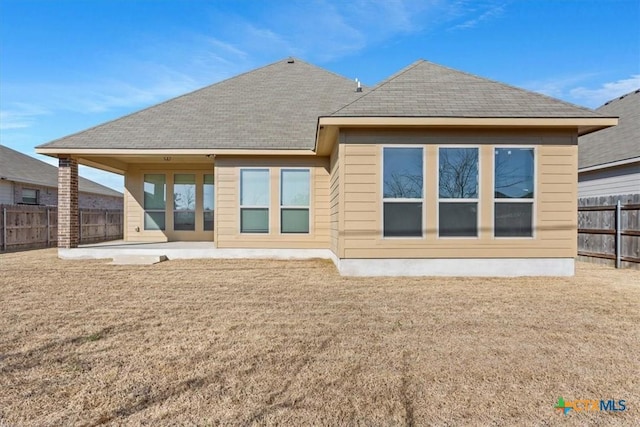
{"x":458,"y":173}
{"x":403,"y":175}
{"x":514,"y":173}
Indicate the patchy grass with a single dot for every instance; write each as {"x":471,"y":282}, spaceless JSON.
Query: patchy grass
{"x":291,"y":342}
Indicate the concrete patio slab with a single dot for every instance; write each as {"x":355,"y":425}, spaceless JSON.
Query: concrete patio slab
{"x":138,"y":259}
{"x":184,"y":250}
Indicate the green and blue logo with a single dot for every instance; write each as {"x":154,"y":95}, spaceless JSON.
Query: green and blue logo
{"x":590,"y":405}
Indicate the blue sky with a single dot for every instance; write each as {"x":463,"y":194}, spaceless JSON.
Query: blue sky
{"x":67,"y":65}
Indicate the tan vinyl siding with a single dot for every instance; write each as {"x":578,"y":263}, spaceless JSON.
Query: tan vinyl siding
{"x":134,"y":203}
{"x":334,"y":198}
{"x":228,"y":204}
{"x":554,"y":207}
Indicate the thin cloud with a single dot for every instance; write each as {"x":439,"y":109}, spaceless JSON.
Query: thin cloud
{"x":20,"y":116}
{"x":607,"y":91}
{"x":475,"y":14}
{"x":559,"y":86}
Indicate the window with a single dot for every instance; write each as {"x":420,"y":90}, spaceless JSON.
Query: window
{"x":458,"y":192}
{"x":208,"y":201}
{"x":155,"y":199}
{"x":254,"y":200}
{"x":513,"y":192}
{"x":30,"y":196}
{"x":184,"y":202}
{"x":294,"y":200}
{"x":402,"y":191}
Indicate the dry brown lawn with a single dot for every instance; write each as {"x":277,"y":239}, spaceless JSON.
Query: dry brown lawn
{"x":237,"y":342}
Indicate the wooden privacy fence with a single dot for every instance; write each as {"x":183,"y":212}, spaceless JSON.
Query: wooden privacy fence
{"x":27,"y":227}
{"x":609,"y":230}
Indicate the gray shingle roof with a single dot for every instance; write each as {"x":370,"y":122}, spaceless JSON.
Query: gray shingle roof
{"x":18,"y":167}
{"x":273,"y":107}
{"x":277,"y":107}
{"x":424,"y":89}
{"x":617,"y":143}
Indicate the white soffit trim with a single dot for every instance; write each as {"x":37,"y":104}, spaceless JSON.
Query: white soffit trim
{"x":469,"y":121}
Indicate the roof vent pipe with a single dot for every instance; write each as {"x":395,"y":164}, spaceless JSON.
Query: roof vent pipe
{"x":358,"y":87}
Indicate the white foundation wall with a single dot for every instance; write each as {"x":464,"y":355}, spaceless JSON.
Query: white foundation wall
{"x":452,"y":267}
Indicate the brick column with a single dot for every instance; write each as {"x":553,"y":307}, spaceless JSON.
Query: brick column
{"x":68,"y":203}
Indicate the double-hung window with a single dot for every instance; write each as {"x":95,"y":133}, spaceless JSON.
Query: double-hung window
{"x":155,"y":199}
{"x":294,"y":200}
{"x":254,"y":200}
{"x":403,"y":177}
{"x":30,"y":196}
{"x":514,"y":191}
{"x":458,"y":192}
{"x":184,"y":202}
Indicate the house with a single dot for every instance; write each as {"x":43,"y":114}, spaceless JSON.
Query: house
{"x":29,"y":181}
{"x":431,"y":172}
{"x":609,"y":161}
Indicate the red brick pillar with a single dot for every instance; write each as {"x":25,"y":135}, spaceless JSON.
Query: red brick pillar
{"x":68,"y":203}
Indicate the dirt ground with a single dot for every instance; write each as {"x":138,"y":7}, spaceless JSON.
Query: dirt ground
{"x":242,"y":342}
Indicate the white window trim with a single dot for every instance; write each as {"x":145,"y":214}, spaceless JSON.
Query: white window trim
{"x":445,"y":200}
{"x":281,"y":206}
{"x":267,"y":207}
{"x":421,"y":200}
{"x":534,"y":201}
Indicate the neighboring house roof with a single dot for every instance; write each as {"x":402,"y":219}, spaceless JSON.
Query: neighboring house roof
{"x":424,"y":89}
{"x":273,"y":107}
{"x":18,"y":167}
{"x":278,"y":106}
{"x":614,"y":144}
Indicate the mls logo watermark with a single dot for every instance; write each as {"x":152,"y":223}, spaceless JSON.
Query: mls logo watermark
{"x":590,"y":405}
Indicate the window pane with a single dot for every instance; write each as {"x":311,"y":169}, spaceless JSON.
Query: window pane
{"x":208,"y":201}
{"x":154,"y":220}
{"x":254,"y":187}
{"x":458,"y":220}
{"x":294,"y":189}
{"x":155,"y":191}
{"x":30,"y":196}
{"x":402,"y":219}
{"x":294,"y":220}
{"x":208,"y":220}
{"x":513,"y":220}
{"x":184,"y":221}
{"x":402,"y":173}
{"x":184,"y":192}
{"x":458,"y":173}
{"x":208,"y":198}
{"x":514,"y":173}
{"x":254,"y":220}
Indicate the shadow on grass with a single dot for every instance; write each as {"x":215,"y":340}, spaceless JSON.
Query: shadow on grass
{"x":24,"y":360}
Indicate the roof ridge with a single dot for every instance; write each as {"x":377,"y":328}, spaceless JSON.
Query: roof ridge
{"x":382,"y":83}
{"x":288,"y":58}
{"x":618,"y":98}
{"x":519,"y":89}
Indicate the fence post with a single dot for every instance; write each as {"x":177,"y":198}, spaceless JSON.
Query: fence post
{"x":48,"y":228}
{"x":80,"y":229}
{"x":106,"y":219}
{"x":618,"y":234}
{"x":4,"y":229}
